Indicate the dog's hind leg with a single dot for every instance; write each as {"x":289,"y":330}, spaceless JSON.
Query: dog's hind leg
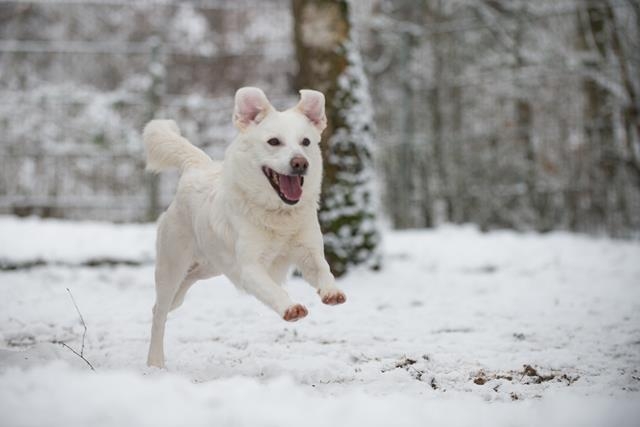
{"x":174,"y":257}
{"x":196,"y":272}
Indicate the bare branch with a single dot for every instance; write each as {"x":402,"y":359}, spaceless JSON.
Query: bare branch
{"x":84,"y":325}
{"x":62,"y":343}
{"x":84,"y":333}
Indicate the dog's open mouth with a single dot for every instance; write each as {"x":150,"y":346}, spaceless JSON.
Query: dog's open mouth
{"x":288,"y":187}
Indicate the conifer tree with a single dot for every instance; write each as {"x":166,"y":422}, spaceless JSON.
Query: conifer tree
{"x":329,"y":61}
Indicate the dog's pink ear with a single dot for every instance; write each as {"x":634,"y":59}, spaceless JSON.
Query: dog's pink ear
{"x":251,"y":106}
{"x":312,"y":105}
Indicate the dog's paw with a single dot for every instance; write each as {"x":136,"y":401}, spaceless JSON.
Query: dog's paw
{"x":333,"y":297}
{"x":295,"y":312}
{"x":155,"y":362}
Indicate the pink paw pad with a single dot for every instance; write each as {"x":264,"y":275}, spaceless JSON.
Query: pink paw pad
{"x":295,"y":312}
{"x":334,"y":298}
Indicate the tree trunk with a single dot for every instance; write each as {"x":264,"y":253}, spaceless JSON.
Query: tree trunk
{"x":436,"y":102}
{"x":524,"y":129}
{"x":598,"y":119}
{"x":330,"y":62}
{"x":630,"y":81}
{"x":155,"y":93}
{"x":406,"y":163}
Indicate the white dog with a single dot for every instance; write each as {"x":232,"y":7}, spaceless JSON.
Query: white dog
{"x":250,"y":217}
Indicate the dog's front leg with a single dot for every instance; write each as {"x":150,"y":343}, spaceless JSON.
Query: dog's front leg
{"x":251,"y":275}
{"x":255,"y":279}
{"x":314,"y":267}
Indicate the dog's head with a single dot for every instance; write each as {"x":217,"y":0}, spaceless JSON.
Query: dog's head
{"x":276,"y":157}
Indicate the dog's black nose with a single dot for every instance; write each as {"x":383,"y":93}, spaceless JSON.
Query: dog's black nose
{"x":299,"y":165}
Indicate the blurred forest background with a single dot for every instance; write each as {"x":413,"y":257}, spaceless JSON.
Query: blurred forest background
{"x":504,"y":113}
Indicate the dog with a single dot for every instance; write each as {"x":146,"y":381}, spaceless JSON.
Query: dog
{"x":252,"y":216}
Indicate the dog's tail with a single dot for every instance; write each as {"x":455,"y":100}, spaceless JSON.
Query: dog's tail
{"x":166,"y":148}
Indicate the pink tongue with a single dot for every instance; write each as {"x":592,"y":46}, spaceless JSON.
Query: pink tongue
{"x":290,"y":187}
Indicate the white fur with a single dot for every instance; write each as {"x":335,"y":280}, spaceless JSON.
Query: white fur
{"x":227,"y":219}
{"x":166,"y":148}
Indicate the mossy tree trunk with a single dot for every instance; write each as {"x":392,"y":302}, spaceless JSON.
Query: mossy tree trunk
{"x":329,"y":61}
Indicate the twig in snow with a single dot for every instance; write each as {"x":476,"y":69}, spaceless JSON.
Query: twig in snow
{"x":64,"y":344}
{"x":84,"y":333}
{"x":84,"y":325}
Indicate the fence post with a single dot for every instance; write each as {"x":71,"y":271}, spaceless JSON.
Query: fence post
{"x":155,"y":94}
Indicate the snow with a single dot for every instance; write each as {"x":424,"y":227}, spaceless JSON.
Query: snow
{"x":192,"y":29}
{"x":56,"y":241}
{"x":440,"y":336}
{"x":170,"y":400}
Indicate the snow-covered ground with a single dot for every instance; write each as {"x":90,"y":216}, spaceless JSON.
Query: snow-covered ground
{"x":460,"y":328}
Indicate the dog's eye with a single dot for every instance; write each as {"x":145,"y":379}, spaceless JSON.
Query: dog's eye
{"x":273,"y":141}
{"x":306,"y":142}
